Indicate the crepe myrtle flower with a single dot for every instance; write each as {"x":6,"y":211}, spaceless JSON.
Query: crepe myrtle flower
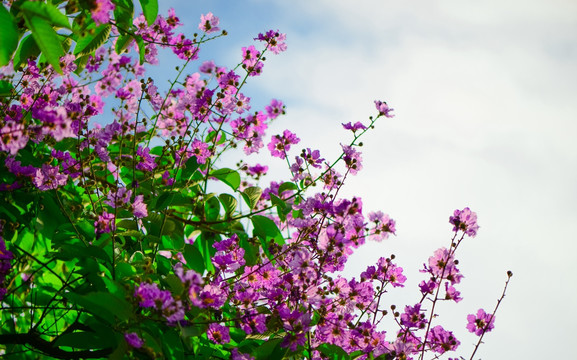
{"x":465,"y":220}
{"x":442,"y":340}
{"x":100,"y":11}
{"x":218,"y":334}
{"x":352,"y":158}
{"x":209,"y":23}
{"x":104,"y":224}
{"x":280,"y":144}
{"x":383,"y":225}
{"x":414,"y":317}
{"x":481,"y":323}
{"x":139,"y":207}
{"x":275,"y":39}
{"x":275,"y":109}
{"x":133,"y":340}
{"x":354,"y":127}
{"x":384,"y":109}
{"x":49,"y":178}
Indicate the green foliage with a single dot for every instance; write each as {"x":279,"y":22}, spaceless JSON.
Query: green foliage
{"x":8,"y":36}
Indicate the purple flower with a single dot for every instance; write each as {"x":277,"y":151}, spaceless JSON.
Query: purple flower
{"x":465,"y":220}
{"x":275,"y":40}
{"x":442,"y":340}
{"x":139,"y":207}
{"x":279,"y":145}
{"x":384,"y":225}
{"x":384,"y":109}
{"x":481,"y":323}
{"x":209,"y":23}
{"x":257,"y":170}
{"x":104,"y":224}
{"x":119,"y":197}
{"x":133,"y":340}
{"x":101,"y":11}
{"x":49,"y":178}
{"x":442,"y":263}
{"x":250,"y":56}
{"x":218,"y":334}
{"x":352,"y":159}
{"x":452,"y":294}
{"x":275,"y":109}
{"x":147,"y":161}
{"x":200,"y":150}
{"x":357,"y":126}
{"x":413,"y":317}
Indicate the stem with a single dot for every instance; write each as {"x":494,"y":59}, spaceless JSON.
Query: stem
{"x":509,"y":275}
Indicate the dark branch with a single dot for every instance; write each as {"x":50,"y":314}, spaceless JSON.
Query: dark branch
{"x":34,"y":340}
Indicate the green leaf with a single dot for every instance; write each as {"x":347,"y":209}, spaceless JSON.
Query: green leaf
{"x":8,"y":36}
{"x":103,"y":304}
{"x":46,"y":11}
{"x":150,"y":10}
{"x":251,"y":251}
{"x":123,"y":15}
{"x":286,"y":186}
{"x":122,"y":43}
{"x":227,"y":176}
{"x":333,"y":352}
{"x":81,"y":62}
{"x":229,"y":203}
{"x":193,"y":258}
{"x":211,"y":209}
{"x":5,"y":88}
{"x":27,"y":49}
{"x":282,"y":207}
{"x":189,"y":167}
{"x":266,"y":229}
{"x":251,"y":196}
{"x":266,"y":350}
{"x":204,"y":244}
{"x":46,"y":38}
{"x":93,"y":38}
{"x":141,"y":48}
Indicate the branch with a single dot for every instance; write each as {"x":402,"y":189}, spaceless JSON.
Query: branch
{"x":49,"y":348}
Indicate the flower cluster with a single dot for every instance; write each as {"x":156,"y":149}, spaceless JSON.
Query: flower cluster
{"x":130,"y":202}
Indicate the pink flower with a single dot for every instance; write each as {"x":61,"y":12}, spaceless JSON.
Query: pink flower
{"x":218,"y":334}
{"x":354,"y":127}
{"x":133,"y":340}
{"x":49,"y":178}
{"x":101,"y":11}
{"x":209,"y":23}
{"x":104,"y":224}
{"x":481,"y":323}
{"x":118,"y":198}
{"x":200,"y":150}
{"x":465,"y":220}
{"x":413,"y":317}
{"x":139,"y":207}
{"x":352,"y":159}
{"x":384,"y":225}
{"x":250,"y":56}
{"x":442,"y":340}
{"x":384,"y":109}
{"x":275,"y":109}
{"x":279,"y":145}
{"x":13,"y":137}
{"x":275,"y":40}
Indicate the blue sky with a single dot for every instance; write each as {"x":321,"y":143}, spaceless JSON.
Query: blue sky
{"x":484,"y":94}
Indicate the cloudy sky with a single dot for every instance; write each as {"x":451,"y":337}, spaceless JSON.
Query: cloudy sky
{"x":485,"y":100}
